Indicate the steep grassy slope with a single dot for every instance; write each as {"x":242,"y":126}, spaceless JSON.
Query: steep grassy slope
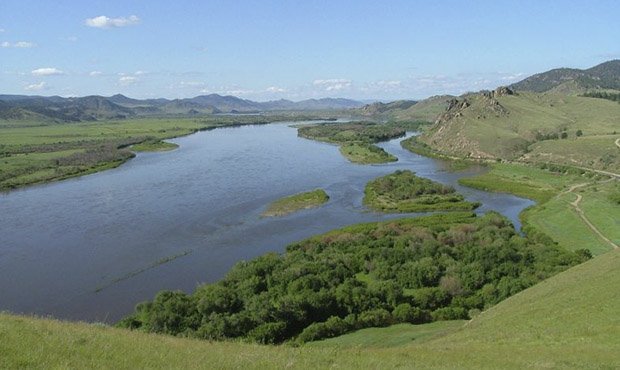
{"x":568,"y":321}
{"x":530,"y":126}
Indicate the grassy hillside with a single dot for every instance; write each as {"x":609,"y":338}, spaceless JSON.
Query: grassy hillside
{"x":530,"y":127}
{"x":568,"y":321}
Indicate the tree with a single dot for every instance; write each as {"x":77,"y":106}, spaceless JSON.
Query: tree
{"x":579,"y":133}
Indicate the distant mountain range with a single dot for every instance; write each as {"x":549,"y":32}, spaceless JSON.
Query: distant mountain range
{"x":92,"y":108}
{"x":605,"y":76}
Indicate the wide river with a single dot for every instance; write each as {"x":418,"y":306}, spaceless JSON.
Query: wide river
{"x":90,"y":248}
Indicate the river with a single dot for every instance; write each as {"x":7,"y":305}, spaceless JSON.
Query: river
{"x":92,"y":247}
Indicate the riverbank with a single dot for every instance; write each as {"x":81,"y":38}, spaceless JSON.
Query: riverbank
{"x":35,"y":154}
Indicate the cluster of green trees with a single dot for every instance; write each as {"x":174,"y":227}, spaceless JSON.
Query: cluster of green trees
{"x":403,"y":191}
{"x":342,"y":133}
{"x":613,"y":96}
{"x":439,"y":267}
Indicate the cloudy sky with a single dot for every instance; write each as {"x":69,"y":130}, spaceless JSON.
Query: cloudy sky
{"x":266,"y":50}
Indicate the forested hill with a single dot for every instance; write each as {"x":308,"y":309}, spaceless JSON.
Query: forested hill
{"x":603,"y":76}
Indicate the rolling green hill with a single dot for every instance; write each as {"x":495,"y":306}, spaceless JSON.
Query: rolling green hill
{"x":530,"y":127}
{"x":567,"y":321}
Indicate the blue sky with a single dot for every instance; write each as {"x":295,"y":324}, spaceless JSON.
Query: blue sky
{"x":266,"y":50}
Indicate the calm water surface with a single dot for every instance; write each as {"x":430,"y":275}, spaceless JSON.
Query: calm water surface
{"x":88,"y":248}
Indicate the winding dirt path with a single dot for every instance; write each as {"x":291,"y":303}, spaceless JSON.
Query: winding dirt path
{"x":582,"y":215}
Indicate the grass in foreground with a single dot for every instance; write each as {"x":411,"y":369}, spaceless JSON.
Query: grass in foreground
{"x":363,"y":153}
{"x":403,"y":191}
{"x":297,"y":202}
{"x":392,"y":336}
{"x":567,"y":321}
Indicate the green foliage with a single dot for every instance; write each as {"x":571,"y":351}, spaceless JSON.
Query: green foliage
{"x":154,"y":145}
{"x":341,"y":133}
{"x":364,"y":153}
{"x":613,"y":96}
{"x":403,"y":191}
{"x":369,"y":275}
{"x":297,"y":202}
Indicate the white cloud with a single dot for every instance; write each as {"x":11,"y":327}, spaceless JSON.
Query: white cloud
{"x":392,"y":83}
{"x":106,"y":22}
{"x":192,"y":84}
{"x":275,"y":89}
{"x":95,"y":73}
{"x":47,"y":72}
{"x":127,"y":80}
{"x":333,"y":84}
{"x":140,"y":73}
{"x":19,"y":44}
{"x":72,"y":38}
{"x":2,"y":30}
{"x":36,"y":87}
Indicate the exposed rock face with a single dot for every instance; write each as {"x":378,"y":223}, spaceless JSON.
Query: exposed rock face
{"x":502,"y":91}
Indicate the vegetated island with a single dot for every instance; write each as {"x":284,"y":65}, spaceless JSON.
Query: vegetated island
{"x":154,"y":146}
{"x":296,"y":202}
{"x":364,"y":153}
{"x":403,"y":191}
{"x":417,"y":270}
{"x":357,"y":139}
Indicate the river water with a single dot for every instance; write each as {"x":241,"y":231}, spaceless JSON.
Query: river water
{"x":90,"y":248}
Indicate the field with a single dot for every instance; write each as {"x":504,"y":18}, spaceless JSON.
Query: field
{"x":550,"y":325}
{"x":597,"y":152}
{"x":297,"y":202}
{"x":556,"y":215}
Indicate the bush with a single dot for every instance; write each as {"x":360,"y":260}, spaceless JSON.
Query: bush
{"x":333,"y":327}
{"x":268,"y":333}
{"x":404,"y":313}
{"x":450,"y":313}
{"x":379,"y":318}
